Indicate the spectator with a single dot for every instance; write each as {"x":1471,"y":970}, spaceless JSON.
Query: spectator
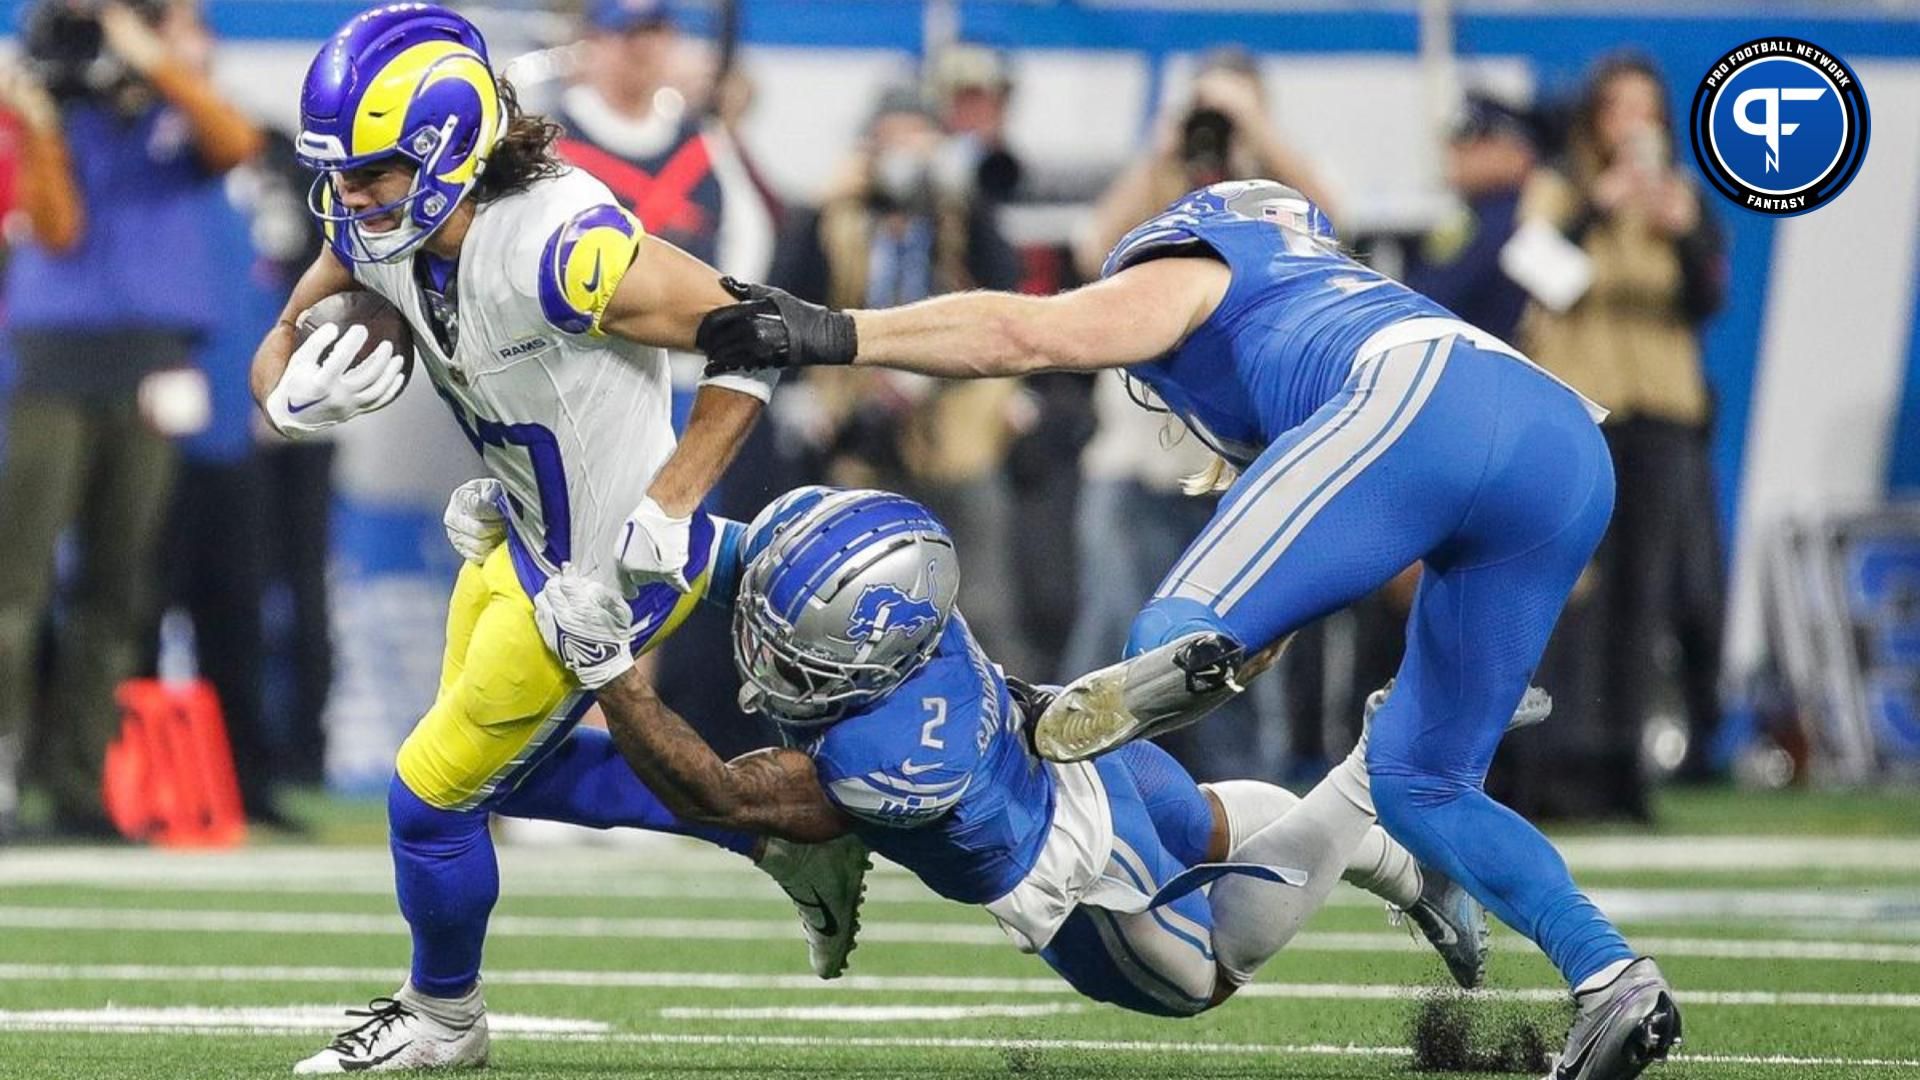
{"x":1222,"y":132}
{"x":120,"y":161}
{"x":675,"y":168}
{"x":1489,"y":157}
{"x":890,"y":232}
{"x":972,"y":87}
{"x":1630,"y":342}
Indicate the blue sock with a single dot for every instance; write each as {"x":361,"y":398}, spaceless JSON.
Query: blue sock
{"x":447,"y":880}
{"x":1504,"y":862}
{"x":585,"y":781}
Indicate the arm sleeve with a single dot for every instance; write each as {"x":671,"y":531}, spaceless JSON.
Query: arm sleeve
{"x":757,"y":384}
{"x":581,"y":265}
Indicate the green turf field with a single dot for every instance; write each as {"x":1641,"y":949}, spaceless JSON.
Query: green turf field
{"x":1796,"y":953}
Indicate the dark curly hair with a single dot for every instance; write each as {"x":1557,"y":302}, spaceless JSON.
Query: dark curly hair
{"x":524,"y":153}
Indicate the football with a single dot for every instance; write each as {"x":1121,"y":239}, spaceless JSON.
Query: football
{"x":360,"y":307}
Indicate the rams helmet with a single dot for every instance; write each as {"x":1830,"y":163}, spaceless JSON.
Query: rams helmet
{"x":409,"y":81}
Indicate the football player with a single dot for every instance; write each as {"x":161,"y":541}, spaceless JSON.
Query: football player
{"x":539,"y":309}
{"x":1373,"y":430}
{"x":902,"y":732}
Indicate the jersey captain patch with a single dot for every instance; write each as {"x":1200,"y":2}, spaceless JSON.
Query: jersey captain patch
{"x":583,"y":263}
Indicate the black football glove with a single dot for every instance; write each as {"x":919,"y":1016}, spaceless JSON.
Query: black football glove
{"x":772,"y":328}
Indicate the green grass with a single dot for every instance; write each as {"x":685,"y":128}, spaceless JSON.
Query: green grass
{"x":542,"y":956}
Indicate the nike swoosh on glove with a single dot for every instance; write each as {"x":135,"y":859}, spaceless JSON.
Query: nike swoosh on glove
{"x":654,"y":547}
{"x":772,"y":328}
{"x":585,"y":624}
{"x":322,"y":386}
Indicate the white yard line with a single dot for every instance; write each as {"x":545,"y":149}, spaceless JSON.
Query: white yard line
{"x":151,"y":920}
{"x":25,"y":1022}
{"x":613,"y":867}
{"x":872,"y":1014}
{"x":288,"y":1018}
{"x":889,"y":984}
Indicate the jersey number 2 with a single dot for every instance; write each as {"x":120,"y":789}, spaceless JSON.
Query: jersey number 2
{"x":938,"y":707}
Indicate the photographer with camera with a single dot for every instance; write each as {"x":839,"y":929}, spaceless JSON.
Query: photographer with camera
{"x":108,"y":294}
{"x":1221,"y":132}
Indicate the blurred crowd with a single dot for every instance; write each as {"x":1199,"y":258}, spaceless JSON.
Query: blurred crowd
{"x":153,"y":527}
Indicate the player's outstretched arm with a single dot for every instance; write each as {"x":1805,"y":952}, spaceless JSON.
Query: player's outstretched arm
{"x":773,"y":792}
{"x":1134,"y":316}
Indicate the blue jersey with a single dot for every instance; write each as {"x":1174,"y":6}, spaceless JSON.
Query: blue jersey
{"x":1284,"y":337}
{"x":937,"y":778}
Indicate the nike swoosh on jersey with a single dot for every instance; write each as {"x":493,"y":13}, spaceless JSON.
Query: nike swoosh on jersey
{"x":908,"y":768}
{"x":593,"y":280}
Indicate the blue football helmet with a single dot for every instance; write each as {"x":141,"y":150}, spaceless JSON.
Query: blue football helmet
{"x":845,"y":594}
{"x":405,"y":80}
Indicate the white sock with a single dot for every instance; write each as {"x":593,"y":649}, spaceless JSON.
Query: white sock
{"x":1254,"y":919}
{"x":1385,"y":869}
{"x":1602,"y":977}
{"x":457,"y":1012}
{"x":1379,"y":864}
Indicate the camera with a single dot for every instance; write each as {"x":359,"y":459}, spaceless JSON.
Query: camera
{"x":1206,"y":145}
{"x":67,"y":51}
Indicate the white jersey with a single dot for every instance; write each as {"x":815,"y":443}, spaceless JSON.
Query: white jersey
{"x":574,"y":424}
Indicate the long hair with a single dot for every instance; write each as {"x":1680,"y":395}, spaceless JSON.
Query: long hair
{"x":524,"y":153}
{"x":1586,"y":157}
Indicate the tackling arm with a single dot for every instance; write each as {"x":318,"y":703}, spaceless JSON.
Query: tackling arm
{"x":1135,"y":315}
{"x":773,"y":792}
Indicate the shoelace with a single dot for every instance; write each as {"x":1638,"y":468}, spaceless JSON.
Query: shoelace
{"x":381,"y":1013}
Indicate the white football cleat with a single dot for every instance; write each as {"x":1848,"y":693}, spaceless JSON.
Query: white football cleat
{"x":398,"y":1034}
{"x":825,"y":882}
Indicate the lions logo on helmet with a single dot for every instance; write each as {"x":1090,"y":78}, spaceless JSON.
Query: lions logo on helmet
{"x":887,"y":609}
{"x":406,"y":81}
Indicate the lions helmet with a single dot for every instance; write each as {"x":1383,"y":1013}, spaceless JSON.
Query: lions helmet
{"x":845,"y":595}
{"x":406,"y":80}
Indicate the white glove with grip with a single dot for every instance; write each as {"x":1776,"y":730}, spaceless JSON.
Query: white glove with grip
{"x":319,"y":390}
{"x":654,"y":547}
{"x":587,"y":625}
{"x":474,"y":522}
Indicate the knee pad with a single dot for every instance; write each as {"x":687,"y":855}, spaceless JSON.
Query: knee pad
{"x":1170,"y":617}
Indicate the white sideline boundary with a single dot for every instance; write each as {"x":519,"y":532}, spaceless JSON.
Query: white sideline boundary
{"x":158,"y":920}
{"x":889,"y":984}
{"x":9,"y":1025}
{"x":287,"y":1018}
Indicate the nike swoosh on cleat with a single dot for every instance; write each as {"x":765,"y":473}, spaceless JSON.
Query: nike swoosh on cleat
{"x":359,"y":1066}
{"x":1445,"y":936}
{"x":828,"y":925}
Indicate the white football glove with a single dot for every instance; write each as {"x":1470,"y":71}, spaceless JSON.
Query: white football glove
{"x":587,"y":625}
{"x":474,"y":522}
{"x":654,"y":545}
{"x":318,"y":390}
